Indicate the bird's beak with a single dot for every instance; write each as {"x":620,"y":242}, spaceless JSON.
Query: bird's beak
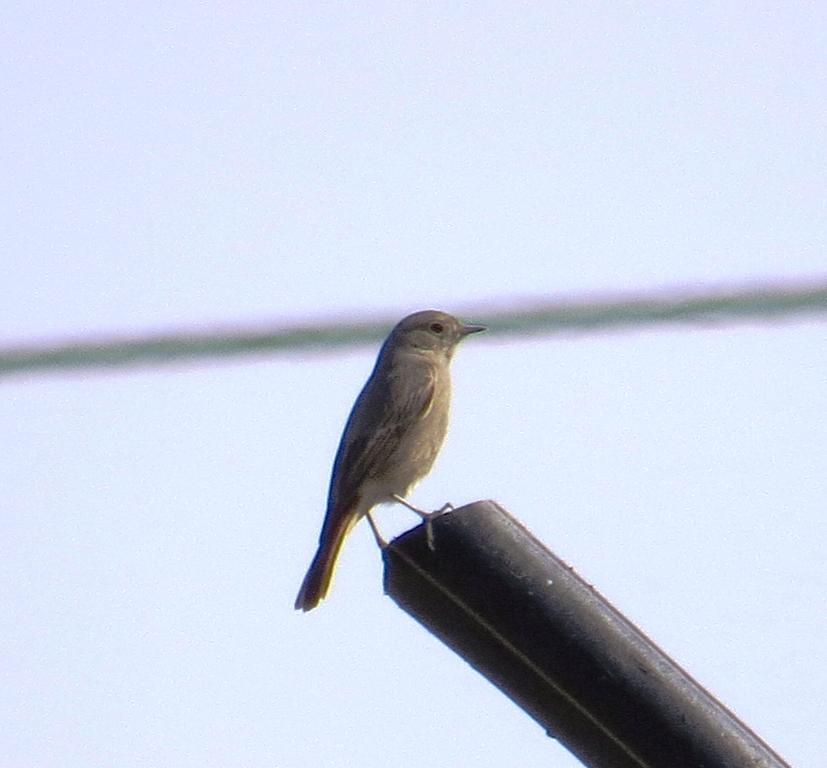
{"x":466,"y":330}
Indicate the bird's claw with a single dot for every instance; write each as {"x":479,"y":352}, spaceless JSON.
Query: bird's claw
{"x":427,"y":517}
{"x":429,"y":523}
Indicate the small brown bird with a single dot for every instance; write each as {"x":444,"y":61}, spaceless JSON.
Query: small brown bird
{"x":392,"y":436}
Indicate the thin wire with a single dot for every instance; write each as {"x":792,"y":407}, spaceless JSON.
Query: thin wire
{"x":762,"y":303}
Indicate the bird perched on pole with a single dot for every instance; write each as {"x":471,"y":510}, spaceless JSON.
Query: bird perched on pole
{"x":392,"y":436}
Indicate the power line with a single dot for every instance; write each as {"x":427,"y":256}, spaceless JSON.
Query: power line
{"x":739,"y":304}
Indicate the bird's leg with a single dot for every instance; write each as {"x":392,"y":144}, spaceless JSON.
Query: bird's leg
{"x":428,"y":517}
{"x":405,"y":503}
{"x":375,"y":528}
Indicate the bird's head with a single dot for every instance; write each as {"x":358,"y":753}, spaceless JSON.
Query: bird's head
{"x":432,"y":330}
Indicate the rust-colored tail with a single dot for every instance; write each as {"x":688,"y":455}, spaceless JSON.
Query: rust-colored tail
{"x":316,"y":583}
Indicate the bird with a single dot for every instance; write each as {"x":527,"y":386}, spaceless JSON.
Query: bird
{"x":392,"y":436}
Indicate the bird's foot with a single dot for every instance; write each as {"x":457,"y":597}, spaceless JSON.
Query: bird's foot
{"x":429,"y":527}
{"x":428,"y":517}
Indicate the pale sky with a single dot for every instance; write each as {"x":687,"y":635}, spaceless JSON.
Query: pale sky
{"x":191,"y":165}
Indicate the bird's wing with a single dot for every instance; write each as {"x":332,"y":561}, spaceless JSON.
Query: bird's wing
{"x":384,"y":411}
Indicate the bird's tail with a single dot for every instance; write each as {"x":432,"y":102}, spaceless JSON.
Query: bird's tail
{"x":316,"y":583}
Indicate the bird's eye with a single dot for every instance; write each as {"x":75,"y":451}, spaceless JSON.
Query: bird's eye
{"x":437,"y":327}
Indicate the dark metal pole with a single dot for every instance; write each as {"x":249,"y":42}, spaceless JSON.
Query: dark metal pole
{"x":548,"y":640}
